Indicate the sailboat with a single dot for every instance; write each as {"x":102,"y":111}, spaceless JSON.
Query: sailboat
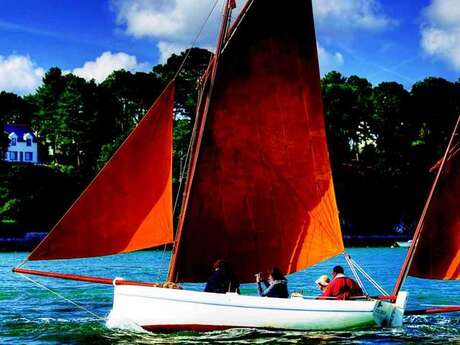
{"x":259,"y":191}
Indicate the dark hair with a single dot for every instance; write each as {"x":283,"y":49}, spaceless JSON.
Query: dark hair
{"x":276,"y":274}
{"x":220,"y":264}
{"x":338,"y":269}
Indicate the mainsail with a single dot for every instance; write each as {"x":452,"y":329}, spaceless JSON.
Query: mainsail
{"x":438,"y":251}
{"x":128,"y":206}
{"x":262,"y":193}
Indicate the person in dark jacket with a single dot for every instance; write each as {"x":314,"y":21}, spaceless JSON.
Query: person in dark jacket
{"x":222,"y":279}
{"x":341,"y":287}
{"x":276,"y":286}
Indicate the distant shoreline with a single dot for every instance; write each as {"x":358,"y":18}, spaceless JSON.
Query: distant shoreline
{"x":27,"y":241}
{"x":23,"y":243}
{"x":374,"y":240}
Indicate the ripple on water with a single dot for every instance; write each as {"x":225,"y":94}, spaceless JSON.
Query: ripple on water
{"x":29,"y":315}
{"x":417,"y":330}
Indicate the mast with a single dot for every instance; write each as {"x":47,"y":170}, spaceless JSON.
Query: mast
{"x":262,"y":178}
{"x":413,"y":247}
{"x":229,"y":6}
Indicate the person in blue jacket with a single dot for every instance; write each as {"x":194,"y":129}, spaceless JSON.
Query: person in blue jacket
{"x":276,"y":286}
{"x":222,"y":279}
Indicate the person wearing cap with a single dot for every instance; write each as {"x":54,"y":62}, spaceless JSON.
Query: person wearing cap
{"x":322,"y":282}
{"x":341,"y":287}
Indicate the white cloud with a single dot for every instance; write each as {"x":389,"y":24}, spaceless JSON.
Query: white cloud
{"x":329,"y":61}
{"x":19,"y":74}
{"x":345,"y":16}
{"x":165,"y":19}
{"x":167,"y":49}
{"x":446,"y":12}
{"x":441,"y":31}
{"x":105,"y":64}
{"x":174,"y":23}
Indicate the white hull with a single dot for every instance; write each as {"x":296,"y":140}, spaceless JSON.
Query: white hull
{"x":167,"y":309}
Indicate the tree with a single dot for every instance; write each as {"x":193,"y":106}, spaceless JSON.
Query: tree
{"x":382,"y":139}
{"x":392,"y":121}
{"x":15,"y":109}
{"x":347,"y":105}
{"x":73,"y":122}
{"x":186,"y":82}
{"x":135,"y":93}
{"x":46,"y":100}
{"x":34,"y":197}
{"x":435,"y":105}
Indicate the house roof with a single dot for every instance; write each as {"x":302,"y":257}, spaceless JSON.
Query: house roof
{"x":20,"y":131}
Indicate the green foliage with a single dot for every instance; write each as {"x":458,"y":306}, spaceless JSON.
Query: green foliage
{"x":14,"y":109}
{"x":134,"y":94}
{"x":107,"y":150}
{"x":34,"y":197}
{"x":186,"y":81}
{"x":382,"y":139}
{"x":182,"y":135}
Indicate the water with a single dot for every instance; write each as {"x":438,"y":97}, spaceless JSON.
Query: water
{"x":32,"y":315}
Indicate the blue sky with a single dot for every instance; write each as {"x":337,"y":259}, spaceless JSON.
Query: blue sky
{"x":381,"y":40}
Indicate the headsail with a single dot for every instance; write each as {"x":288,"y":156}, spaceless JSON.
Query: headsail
{"x":128,"y":206}
{"x":263,"y":193}
{"x":438,"y":251}
{"x":435,"y":249}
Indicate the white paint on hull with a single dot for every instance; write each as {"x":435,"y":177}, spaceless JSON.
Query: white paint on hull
{"x":157,"y":308}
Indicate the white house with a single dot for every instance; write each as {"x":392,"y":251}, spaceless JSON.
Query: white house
{"x":22,"y":146}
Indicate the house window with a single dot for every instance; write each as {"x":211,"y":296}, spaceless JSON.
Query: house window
{"x":29,"y":142}
{"x":28,"y":156}
{"x":13,"y":156}
{"x":13,"y":141}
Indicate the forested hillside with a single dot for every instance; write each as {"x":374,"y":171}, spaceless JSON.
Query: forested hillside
{"x":383,"y":139}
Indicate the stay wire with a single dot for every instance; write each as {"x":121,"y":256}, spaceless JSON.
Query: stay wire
{"x":354,"y":266}
{"x":353,"y":269}
{"x":63,"y":297}
{"x":369,"y":278}
{"x":181,"y":66}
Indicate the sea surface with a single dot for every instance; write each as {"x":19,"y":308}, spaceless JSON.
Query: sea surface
{"x":31,"y":314}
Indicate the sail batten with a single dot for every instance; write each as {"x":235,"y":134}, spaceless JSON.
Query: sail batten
{"x":262,"y":193}
{"x":128,"y":206}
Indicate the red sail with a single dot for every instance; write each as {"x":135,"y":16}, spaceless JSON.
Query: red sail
{"x":438,"y":251}
{"x":128,"y":206}
{"x":263,"y":194}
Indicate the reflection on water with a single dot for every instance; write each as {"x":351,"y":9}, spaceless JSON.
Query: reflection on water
{"x":30,"y":315}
